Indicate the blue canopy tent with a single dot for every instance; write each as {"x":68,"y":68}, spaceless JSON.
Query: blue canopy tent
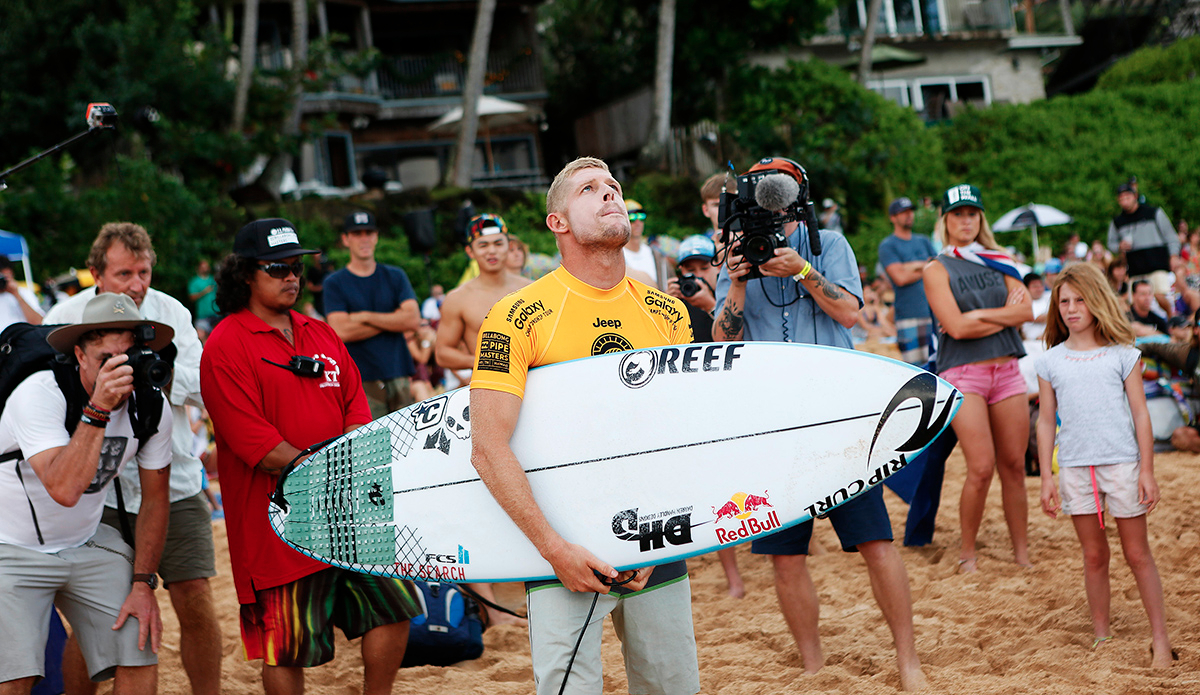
{"x":14,"y":246}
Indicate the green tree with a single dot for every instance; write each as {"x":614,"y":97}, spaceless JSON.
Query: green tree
{"x":1179,"y":62}
{"x":858,"y":148}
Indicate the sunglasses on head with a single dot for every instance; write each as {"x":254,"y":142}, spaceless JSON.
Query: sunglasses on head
{"x":279,"y":271}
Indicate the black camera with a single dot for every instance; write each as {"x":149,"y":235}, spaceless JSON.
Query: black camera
{"x":689,"y":285}
{"x":3,"y":282}
{"x":148,"y":368}
{"x":753,"y":231}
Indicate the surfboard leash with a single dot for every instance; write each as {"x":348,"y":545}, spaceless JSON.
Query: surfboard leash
{"x":473,"y":594}
{"x":277,"y":496}
{"x":586,"y":621}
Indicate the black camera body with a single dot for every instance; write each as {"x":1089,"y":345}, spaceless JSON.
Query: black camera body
{"x":149,"y":370}
{"x":689,"y":285}
{"x":753,"y":231}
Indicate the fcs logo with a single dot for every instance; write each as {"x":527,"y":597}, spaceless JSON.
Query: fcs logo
{"x":637,"y":368}
{"x":332,"y":371}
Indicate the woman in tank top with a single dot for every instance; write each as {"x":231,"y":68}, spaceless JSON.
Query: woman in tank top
{"x":979,"y":301}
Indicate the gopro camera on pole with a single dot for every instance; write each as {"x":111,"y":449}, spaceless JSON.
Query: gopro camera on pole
{"x":99,"y":116}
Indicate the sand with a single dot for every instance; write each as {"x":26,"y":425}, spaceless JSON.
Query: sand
{"x":1002,"y":630}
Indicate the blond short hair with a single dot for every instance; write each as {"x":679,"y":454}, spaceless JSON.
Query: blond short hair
{"x":713,"y":187}
{"x":556,"y":197}
{"x":132,"y":236}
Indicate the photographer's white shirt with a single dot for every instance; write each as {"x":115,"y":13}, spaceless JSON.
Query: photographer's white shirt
{"x":33,"y":421}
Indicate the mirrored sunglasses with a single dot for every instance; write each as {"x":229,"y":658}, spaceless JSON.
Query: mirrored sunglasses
{"x":635,"y":216}
{"x":280,"y":271}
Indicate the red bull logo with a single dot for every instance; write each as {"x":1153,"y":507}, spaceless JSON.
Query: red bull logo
{"x":742,"y":508}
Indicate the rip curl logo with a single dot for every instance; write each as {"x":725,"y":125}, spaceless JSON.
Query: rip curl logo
{"x":332,"y":371}
{"x":282,"y":235}
{"x":610,"y":342}
{"x":923,"y":388}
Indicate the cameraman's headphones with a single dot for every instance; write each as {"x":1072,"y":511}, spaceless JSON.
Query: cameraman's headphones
{"x":785,"y":165}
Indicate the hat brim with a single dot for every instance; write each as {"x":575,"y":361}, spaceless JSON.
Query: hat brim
{"x":694,"y":255}
{"x":356,"y":227}
{"x":64,"y":339}
{"x":963,"y":203}
{"x":284,"y":253}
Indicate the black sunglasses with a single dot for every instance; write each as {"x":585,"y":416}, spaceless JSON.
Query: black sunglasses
{"x":279,"y":271}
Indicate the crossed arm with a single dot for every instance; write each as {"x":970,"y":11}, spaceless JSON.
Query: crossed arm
{"x":354,"y":326}
{"x":977,"y":323}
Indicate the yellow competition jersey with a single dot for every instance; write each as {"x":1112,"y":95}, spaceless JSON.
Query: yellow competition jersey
{"x":560,"y":318}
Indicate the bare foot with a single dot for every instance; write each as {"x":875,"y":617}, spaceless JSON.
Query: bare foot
{"x":496,"y":617}
{"x":912,"y":679}
{"x":1163,"y":657}
{"x":967,"y":565}
{"x":736,"y":588}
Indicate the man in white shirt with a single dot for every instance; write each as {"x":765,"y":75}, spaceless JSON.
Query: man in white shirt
{"x":53,"y":548}
{"x":122,"y":260}
{"x":644,"y":262}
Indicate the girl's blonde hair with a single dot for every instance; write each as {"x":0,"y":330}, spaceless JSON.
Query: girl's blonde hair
{"x":985,"y":236}
{"x":1085,"y":278}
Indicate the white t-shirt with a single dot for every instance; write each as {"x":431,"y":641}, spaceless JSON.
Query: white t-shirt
{"x":1089,"y":389}
{"x":10,"y":308}
{"x":1032,"y":330}
{"x":33,"y":422}
{"x":642,"y":259}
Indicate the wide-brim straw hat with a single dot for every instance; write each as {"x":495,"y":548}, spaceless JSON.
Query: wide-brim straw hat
{"x":108,"y":310}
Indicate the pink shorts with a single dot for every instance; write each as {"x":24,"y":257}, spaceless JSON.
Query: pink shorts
{"x":994,"y":382}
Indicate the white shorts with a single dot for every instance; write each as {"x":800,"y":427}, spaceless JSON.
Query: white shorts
{"x":1116,"y":485}
{"x":655,"y":629}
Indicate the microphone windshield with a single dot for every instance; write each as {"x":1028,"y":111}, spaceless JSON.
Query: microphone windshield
{"x":776,"y":192}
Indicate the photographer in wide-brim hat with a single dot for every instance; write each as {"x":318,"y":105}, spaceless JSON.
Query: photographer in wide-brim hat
{"x":52,"y":544}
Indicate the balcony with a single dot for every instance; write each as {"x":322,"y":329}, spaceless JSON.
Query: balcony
{"x":422,"y":77}
{"x":915,"y":18}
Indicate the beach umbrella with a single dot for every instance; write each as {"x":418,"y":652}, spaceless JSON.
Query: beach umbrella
{"x":1031,"y":216}
{"x":493,"y":111}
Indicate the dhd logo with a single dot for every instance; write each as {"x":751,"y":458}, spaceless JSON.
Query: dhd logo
{"x":654,"y":531}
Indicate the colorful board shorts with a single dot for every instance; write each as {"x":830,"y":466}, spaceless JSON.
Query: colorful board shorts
{"x":292,"y":625}
{"x":1116,"y":488}
{"x":994,"y":382}
{"x":914,"y":338}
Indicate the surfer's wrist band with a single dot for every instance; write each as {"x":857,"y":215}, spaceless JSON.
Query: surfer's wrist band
{"x":96,"y":412}
{"x":803,"y":271}
{"x":93,"y":421}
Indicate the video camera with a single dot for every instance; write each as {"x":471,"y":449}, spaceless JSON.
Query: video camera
{"x":752,"y":221}
{"x":148,"y":368}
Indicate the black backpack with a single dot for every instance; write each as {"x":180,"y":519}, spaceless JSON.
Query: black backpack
{"x":24,"y":352}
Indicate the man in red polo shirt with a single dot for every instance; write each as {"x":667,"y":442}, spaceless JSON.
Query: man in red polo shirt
{"x":264,"y":413}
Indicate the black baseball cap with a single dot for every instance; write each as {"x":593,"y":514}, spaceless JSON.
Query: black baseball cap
{"x":359,"y":220}
{"x":1125,"y":188}
{"x":899,"y":205}
{"x":269,"y":240}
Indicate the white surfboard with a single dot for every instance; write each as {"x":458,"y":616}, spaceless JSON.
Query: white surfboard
{"x":642,"y":457}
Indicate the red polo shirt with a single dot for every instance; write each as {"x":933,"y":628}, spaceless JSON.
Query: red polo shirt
{"x":254,"y":406}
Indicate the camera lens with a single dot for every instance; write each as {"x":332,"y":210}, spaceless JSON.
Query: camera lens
{"x":758,"y":249}
{"x":148,"y":368}
{"x":688,"y":286}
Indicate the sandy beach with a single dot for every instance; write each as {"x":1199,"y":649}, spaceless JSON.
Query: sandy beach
{"x":1002,"y":630}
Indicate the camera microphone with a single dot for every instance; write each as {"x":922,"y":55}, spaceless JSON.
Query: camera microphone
{"x":776,"y":192}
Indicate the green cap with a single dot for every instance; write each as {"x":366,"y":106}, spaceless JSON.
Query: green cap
{"x":960,"y":195}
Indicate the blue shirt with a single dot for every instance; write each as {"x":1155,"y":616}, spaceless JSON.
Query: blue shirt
{"x":910,"y":299}
{"x":384,"y":356}
{"x":801,"y":320}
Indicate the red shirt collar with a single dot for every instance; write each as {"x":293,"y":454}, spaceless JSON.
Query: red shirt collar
{"x":254,"y":324}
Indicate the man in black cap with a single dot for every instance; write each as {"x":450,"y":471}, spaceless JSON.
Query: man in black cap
{"x":53,"y":548}
{"x":903,"y":256}
{"x":371,"y":305}
{"x":275,"y":382}
{"x":1145,"y":235}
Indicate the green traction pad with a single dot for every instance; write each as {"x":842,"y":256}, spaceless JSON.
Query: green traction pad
{"x":341,"y":502}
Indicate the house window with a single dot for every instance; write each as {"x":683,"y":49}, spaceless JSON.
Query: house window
{"x":895,"y":16}
{"x":935,"y":98}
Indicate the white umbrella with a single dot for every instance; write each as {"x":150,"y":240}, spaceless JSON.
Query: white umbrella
{"x":492,"y":111}
{"x":1031,"y":216}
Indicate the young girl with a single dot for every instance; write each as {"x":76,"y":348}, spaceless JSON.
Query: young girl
{"x":1090,"y":375}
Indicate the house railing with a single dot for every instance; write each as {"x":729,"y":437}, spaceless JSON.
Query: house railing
{"x":417,"y":77}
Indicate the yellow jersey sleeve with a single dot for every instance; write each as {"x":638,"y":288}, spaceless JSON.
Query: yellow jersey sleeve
{"x":560,"y":318}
